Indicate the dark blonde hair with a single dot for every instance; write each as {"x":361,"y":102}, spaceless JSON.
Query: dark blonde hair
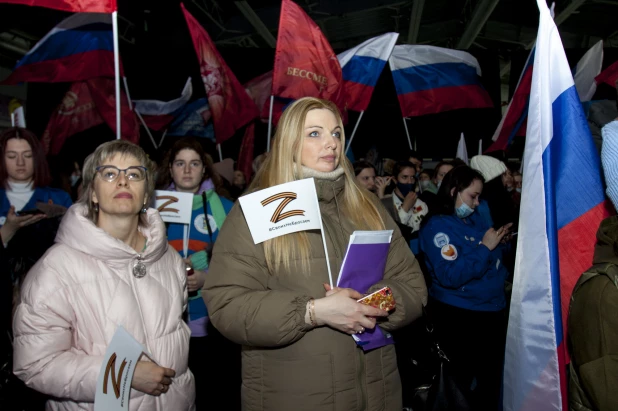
{"x":103,"y":153}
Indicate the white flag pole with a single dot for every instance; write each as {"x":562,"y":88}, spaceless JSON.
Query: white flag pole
{"x":330,"y":274}
{"x":480,"y":147}
{"x":141,"y":119}
{"x":126,"y":90}
{"x":220,"y":154}
{"x":408,"y":134}
{"x":354,"y":131}
{"x":116,"y":71}
{"x":270,"y":122}
{"x":163,"y":137}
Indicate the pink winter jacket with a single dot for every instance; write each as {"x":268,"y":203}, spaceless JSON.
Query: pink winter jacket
{"x":76,"y":296}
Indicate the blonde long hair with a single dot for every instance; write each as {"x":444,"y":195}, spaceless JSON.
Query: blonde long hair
{"x":283,"y":165}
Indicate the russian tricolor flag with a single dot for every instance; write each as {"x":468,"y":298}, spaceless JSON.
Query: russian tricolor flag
{"x":79,"y":48}
{"x":562,"y":205}
{"x":361,"y":67}
{"x":432,"y":79}
{"x":517,"y":110}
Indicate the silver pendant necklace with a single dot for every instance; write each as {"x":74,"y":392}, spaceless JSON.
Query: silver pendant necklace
{"x":139,"y":268}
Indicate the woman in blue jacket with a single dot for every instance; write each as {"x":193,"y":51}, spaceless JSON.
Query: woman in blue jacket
{"x":24,"y":179}
{"x":464,"y":258}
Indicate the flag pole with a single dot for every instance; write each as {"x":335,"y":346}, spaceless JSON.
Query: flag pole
{"x":126,"y":90}
{"x":354,"y":131}
{"x":408,"y":134}
{"x":162,"y":138}
{"x":330,"y":274}
{"x":480,"y":146}
{"x":141,"y":119}
{"x":116,"y":71}
{"x":219,"y":149}
{"x":270,"y":121}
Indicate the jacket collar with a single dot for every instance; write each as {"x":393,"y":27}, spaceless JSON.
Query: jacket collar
{"x":327,"y":185}
{"x":606,"y":250}
{"x":78,"y":232}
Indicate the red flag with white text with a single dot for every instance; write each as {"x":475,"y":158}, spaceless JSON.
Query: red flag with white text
{"x":230,"y":105}
{"x":305,"y":63}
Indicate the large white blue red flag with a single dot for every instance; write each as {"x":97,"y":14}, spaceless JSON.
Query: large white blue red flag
{"x":432,"y":79}
{"x":361,"y":67}
{"x":562,"y":205}
{"x":79,"y":48}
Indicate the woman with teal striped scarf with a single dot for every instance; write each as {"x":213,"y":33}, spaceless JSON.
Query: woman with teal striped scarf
{"x":191,"y":171}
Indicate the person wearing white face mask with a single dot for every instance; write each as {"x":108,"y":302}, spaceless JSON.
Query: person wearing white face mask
{"x":467,"y":299}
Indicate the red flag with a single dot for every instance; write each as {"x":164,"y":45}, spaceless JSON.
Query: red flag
{"x":609,"y":75}
{"x":88,"y":104}
{"x":103,"y":94}
{"x":77,"y":6}
{"x":230,"y":104}
{"x":305,"y":64}
{"x":76,"y":113}
{"x":259,"y":90}
{"x":245,"y":157}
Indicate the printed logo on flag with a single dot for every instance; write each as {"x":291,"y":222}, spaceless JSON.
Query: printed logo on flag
{"x":114,"y":383}
{"x":267,"y":214}
{"x":278,"y":215}
{"x":173,"y":206}
{"x":111,"y":369}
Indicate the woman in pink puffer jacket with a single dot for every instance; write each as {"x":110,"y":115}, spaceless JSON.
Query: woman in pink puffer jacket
{"x":111,"y":265}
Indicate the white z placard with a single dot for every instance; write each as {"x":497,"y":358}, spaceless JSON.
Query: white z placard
{"x":116,"y":375}
{"x":283,"y":209}
{"x":173,"y":206}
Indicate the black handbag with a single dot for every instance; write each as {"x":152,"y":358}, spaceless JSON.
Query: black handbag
{"x":443,"y":391}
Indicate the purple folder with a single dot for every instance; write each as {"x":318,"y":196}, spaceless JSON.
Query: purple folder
{"x":363,"y":266}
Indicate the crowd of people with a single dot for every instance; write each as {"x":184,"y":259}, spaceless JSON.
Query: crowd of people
{"x":231,"y":324}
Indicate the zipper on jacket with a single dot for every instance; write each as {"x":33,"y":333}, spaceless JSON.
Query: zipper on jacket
{"x":139,"y":305}
{"x":361,"y":380}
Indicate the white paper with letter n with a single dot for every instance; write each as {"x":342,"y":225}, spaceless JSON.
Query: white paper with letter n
{"x":114,"y":382}
{"x":283,"y":209}
{"x":174,"y":207}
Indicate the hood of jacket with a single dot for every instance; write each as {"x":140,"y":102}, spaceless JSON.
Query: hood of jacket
{"x":606,"y":250}
{"x":327,"y":185}
{"x":79,"y":233}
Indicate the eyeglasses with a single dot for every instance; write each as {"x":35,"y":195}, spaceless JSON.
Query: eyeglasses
{"x":111,"y":173}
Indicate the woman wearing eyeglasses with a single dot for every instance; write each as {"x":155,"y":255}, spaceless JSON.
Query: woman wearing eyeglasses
{"x":188,"y":169}
{"x":111,"y":266}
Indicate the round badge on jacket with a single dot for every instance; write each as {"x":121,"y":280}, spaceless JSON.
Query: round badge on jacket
{"x":200,"y":224}
{"x":441,"y":239}
{"x":449,"y":252}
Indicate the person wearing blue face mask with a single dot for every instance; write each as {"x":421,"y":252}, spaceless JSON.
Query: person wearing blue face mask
{"x":404,"y":205}
{"x":467,"y":297}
